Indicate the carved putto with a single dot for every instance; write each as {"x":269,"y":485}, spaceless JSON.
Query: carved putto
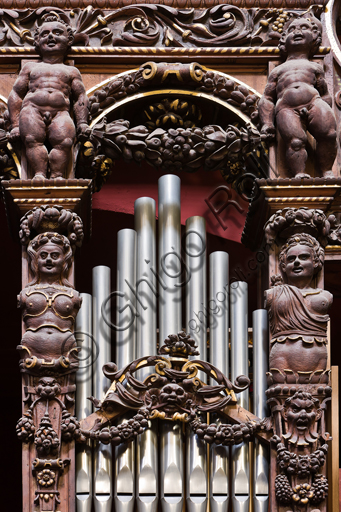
{"x":39,"y":104}
{"x":296,"y":100}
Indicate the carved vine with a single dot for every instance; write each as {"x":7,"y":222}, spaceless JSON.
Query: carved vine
{"x":161,"y":25}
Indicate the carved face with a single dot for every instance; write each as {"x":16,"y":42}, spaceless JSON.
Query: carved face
{"x":50,"y":260}
{"x":301,"y":414}
{"x":48,"y":388}
{"x":299,"y":35}
{"x":299,"y":262}
{"x":173,"y":396}
{"x":53,"y":38}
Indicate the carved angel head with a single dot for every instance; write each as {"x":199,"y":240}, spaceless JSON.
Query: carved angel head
{"x":303,"y":33}
{"x":54,"y":35}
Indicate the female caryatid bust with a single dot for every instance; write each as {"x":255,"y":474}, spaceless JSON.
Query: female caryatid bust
{"x":297,"y":312}
{"x":49,"y":303}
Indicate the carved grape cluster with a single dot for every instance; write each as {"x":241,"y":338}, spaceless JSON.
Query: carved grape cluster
{"x":320,"y":489}
{"x":283,"y":489}
{"x":70,"y":427}
{"x":25,"y":428}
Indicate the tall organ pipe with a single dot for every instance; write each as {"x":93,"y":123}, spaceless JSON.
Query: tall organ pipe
{"x":102,"y":487}
{"x":83,"y":333}
{"x":218,"y":307}
{"x":196,"y":326}
{"x":240,"y":366}
{"x":146,"y":287}
{"x":124,"y":482}
{"x":260,"y":367}
{"x":169,"y":280}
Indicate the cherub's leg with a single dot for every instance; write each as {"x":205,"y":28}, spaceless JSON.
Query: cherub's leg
{"x":322,"y":125}
{"x":294,"y":136}
{"x":33,"y":133}
{"x":61,"y":135}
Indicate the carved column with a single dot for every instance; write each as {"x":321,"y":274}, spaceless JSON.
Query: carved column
{"x":49,"y":234}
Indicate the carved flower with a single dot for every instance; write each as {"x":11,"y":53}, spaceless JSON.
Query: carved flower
{"x":46,"y":478}
{"x":302,"y":494}
{"x":179,"y":344}
{"x":303,"y":466}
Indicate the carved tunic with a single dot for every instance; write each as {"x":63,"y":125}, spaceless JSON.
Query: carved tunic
{"x":291,"y":318}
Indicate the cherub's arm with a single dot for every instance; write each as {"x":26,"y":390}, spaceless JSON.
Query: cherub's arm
{"x":81,"y":103}
{"x":321,"y":85}
{"x":16,"y":97}
{"x":267,"y":104}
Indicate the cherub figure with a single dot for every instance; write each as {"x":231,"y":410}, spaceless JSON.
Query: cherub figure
{"x":296,"y":98}
{"x":41,"y":101}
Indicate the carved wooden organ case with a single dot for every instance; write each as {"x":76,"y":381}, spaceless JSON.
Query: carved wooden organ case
{"x":249,"y":90}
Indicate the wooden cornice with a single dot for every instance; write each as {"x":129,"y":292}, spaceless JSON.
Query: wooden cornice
{"x":182,"y":4}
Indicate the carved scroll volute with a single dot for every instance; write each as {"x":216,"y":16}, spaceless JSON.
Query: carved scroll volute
{"x":298,"y":377}
{"x":48,"y":352}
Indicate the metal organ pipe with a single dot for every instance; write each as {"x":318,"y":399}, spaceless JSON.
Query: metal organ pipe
{"x":260,"y":367}
{"x":196,"y":326}
{"x":218,"y":302}
{"x":147,"y":470}
{"x":171,"y":455}
{"x":102,"y":338}
{"x":240,"y":366}
{"x":124,"y":492}
{"x":83,"y":333}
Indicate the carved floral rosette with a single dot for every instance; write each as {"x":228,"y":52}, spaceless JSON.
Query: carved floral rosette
{"x":48,"y":349}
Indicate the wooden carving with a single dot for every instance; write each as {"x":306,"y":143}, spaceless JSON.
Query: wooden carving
{"x":298,"y":378}
{"x":49,"y":304}
{"x":296,"y":100}
{"x":40,"y":102}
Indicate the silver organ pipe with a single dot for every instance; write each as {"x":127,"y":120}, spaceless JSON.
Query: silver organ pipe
{"x":196,"y":325}
{"x":239,"y":366}
{"x":160,"y":460}
{"x":83,"y":332}
{"x":171,"y":442}
{"x":146,"y":286}
{"x":260,"y":367}
{"x":102,"y":487}
{"x":124,"y":492}
{"x":219,"y":356}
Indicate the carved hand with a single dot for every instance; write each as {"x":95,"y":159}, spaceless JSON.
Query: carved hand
{"x":14,"y":134}
{"x":269,"y":131}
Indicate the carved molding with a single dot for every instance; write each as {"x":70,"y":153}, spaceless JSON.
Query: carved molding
{"x":148,"y":25}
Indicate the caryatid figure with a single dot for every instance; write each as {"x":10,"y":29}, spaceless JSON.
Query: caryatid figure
{"x":298,"y":313}
{"x":296,"y":99}
{"x":41,"y":101}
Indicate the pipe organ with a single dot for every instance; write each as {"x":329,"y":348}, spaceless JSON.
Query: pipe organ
{"x":165,"y":383}
{"x":135,"y":474}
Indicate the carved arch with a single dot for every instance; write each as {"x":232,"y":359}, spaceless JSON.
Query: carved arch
{"x":168,"y":136}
